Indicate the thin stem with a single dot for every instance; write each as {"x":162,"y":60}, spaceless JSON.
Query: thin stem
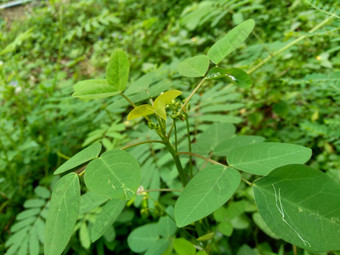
{"x":287,"y":46}
{"x":171,"y":128}
{"x":139,"y":143}
{"x":191,"y":95}
{"x":159,"y":190}
{"x":127,"y":99}
{"x":202,"y":157}
{"x":189,"y":144}
{"x":175,"y":129}
{"x":248,"y":182}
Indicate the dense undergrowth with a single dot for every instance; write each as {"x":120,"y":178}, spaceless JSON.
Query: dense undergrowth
{"x":295,"y":98}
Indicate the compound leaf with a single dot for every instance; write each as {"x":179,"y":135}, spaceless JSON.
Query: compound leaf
{"x":301,"y":205}
{"x":208,"y":190}
{"x":115,"y":175}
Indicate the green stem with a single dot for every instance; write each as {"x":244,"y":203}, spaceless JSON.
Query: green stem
{"x":189,"y":144}
{"x":287,"y":46}
{"x":175,"y":129}
{"x":127,"y":99}
{"x":159,"y":190}
{"x":191,"y":95}
{"x":139,"y":143}
{"x":202,"y":157}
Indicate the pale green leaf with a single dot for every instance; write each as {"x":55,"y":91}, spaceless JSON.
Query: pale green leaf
{"x":142,"y":238}
{"x":140,"y":111}
{"x":34,"y":202}
{"x":166,"y":227}
{"x":223,"y":148}
{"x":164,"y":99}
{"x":194,"y":67}
{"x":62,"y":214}
{"x":28,"y":213}
{"x":22,"y":224}
{"x":183,"y":247}
{"x":84,"y":235}
{"x":94,"y":89}
{"x":208,"y":190}
{"x":117,"y":70}
{"x":158,"y":247}
{"x":33,"y":242}
{"x":261,"y":158}
{"x":301,"y":205}
{"x":106,"y":217}
{"x":81,"y":157}
{"x":231,"y":41}
{"x":115,"y":175}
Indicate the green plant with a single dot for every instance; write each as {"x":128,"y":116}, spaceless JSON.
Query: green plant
{"x":289,"y":205}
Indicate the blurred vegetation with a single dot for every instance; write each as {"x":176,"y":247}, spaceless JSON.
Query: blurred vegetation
{"x":295,"y":97}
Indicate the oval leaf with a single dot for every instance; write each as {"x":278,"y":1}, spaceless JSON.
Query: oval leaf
{"x":62,"y":214}
{"x":144,"y":237}
{"x":117,"y":70}
{"x":231,"y":41}
{"x":194,"y":67}
{"x":164,"y":99}
{"x":261,"y":158}
{"x":140,"y":111}
{"x":81,"y":157}
{"x":116,"y":175}
{"x":94,"y":89}
{"x":208,"y":190}
{"x":223,"y":148}
{"x":104,"y":220}
{"x":301,"y":205}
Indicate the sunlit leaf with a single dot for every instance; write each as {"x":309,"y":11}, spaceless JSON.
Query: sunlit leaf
{"x":62,"y":214}
{"x":94,"y":89}
{"x":81,"y":157}
{"x":301,"y":205}
{"x":117,"y":70}
{"x":208,"y":190}
{"x":164,"y":99}
{"x":194,"y":67}
{"x":140,"y":111}
{"x":115,"y":175}
{"x":183,"y":247}
{"x":261,"y":158}
{"x":231,"y":41}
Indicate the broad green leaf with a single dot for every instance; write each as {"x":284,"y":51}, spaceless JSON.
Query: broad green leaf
{"x":208,"y":190}
{"x":211,"y":137}
{"x":231,"y":41}
{"x":142,"y":238}
{"x":106,"y":217}
{"x":223,"y":148}
{"x":62,"y":214}
{"x":183,"y":247}
{"x":164,"y":99}
{"x":233,"y":75}
{"x":81,"y":157}
{"x":94,"y":89}
{"x":141,"y":111}
{"x":117,"y":70}
{"x":84,"y":236}
{"x":261,"y":158}
{"x":194,"y":67}
{"x":301,"y":205}
{"x":90,"y":201}
{"x":115,"y":175}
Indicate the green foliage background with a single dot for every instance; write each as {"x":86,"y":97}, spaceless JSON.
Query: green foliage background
{"x":295,"y":98}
